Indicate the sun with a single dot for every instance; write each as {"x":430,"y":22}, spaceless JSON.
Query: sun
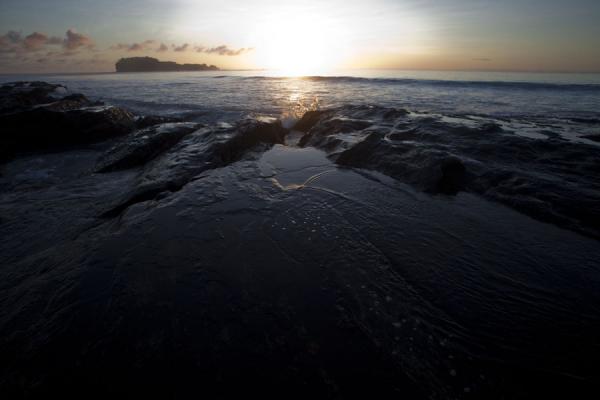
{"x":293,"y":43}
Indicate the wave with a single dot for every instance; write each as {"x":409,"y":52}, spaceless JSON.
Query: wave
{"x":437,"y":82}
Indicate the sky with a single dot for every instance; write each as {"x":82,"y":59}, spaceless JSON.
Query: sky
{"x":303,"y":36}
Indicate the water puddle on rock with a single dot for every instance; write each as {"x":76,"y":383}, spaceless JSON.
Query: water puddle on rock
{"x":294,"y":168}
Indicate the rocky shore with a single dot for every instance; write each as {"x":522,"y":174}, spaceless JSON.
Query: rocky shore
{"x":552,"y":180}
{"x":364,"y":247}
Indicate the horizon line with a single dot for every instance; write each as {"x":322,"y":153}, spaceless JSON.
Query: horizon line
{"x":341,"y":69}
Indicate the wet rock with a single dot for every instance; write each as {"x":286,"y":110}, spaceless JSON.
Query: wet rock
{"x":319,"y":133}
{"x":552,"y":180}
{"x":590,"y":121}
{"x":594,"y":138}
{"x":232,"y":280}
{"x":394,"y":113}
{"x":17,"y":96}
{"x":147,"y":121}
{"x":144,"y":145}
{"x":205,"y":149}
{"x":37,"y":116}
{"x":453,"y":176}
{"x":430,"y":170}
{"x":361,"y":116}
{"x":404,"y":134}
{"x":212,"y":276}
{"x":71,"y":102}
{"x":42,"y":128}
{"x":248,"y":134}
{"x":308,"y":120}
{"x":23,"y":96}
{"x":325,"y":129}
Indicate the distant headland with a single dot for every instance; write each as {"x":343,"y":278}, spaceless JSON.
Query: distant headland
{"x":149,"y":64}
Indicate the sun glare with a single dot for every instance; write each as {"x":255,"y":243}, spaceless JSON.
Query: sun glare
{"x":300,"y":44}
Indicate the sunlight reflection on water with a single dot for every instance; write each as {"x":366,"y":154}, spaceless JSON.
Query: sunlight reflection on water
{"x":227,"y":95}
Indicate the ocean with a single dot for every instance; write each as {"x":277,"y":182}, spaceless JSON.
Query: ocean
{"x":545,"y":98}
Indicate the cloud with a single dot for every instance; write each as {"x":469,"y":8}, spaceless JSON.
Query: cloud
{"x":18,"y":48}
{"x":14,"y":42}
{"x":134,"y":46}
{"x":41,"y":48}
{"x":482,"y":59}
{"x":37,"y":47}
{"x":35,"y":41}
{"x":120,"y":46}
{"x":10,"y":43}
{"x":54,"y":40}
{"x":74,"y":41}
{"x":183,"y":47}
{"x":222,"y":50}
{"x":11,"y":37}
{"x":146,"y":45}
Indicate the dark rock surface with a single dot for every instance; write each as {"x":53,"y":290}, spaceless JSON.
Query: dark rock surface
{"x":595,"y":138}
{"x":591,"y":121}
{"x":39,"y":117}
{"x":35,"y":117}
{"x":185,"y":260}
{"x":146,"y":121}
{"x":144,"y":145}
{"x":433,"y":171}
{"x":42,"y":128}
{"x":551,"y":180}
{"x":204,"y":149}
{"x":18,"y":96}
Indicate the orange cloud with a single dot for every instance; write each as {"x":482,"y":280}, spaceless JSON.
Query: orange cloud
{"x":74,"y":41}
{"x":134,"y":46}
{"x":183,"y":47}
{"x":222,"y":50}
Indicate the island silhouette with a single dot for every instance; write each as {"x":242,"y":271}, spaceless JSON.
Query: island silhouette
{"x":149,"y":64}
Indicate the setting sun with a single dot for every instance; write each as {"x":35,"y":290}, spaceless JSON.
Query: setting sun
{"x":294,"y":43}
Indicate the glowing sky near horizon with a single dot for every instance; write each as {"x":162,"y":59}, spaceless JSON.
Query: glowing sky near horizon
{"x":307,"y":36}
